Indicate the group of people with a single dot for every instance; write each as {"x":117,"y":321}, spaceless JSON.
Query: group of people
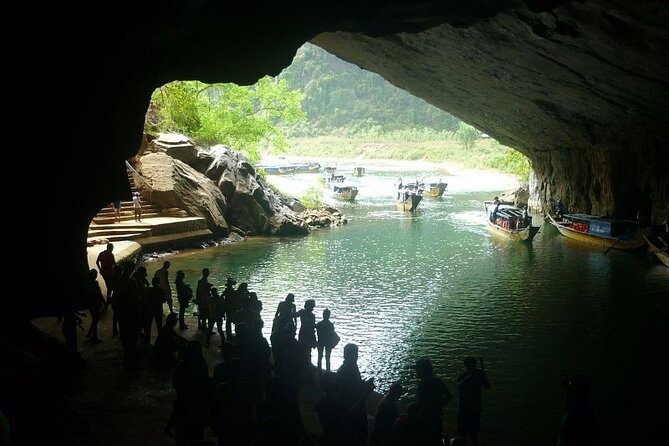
{"x":422,"y":423}
{"x":255,"y":389}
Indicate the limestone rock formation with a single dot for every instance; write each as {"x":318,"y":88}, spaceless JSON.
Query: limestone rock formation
{"x":175,"y":145}
{"x":252,"y":205}
{"x":177,"y":185}
{"x":517,"y":197}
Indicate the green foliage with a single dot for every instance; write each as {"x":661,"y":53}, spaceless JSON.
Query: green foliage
{"x":241,"y":117}
{"x":338,"y":95}
{"x":512,"y":161}
{"x":466,"y":135}
{"x":312,"y":198}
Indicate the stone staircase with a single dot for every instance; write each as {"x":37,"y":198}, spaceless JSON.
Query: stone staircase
{"x":156,"y":229}
{"x":106,"y":215}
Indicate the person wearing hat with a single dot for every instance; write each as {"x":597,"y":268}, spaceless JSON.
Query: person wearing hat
{"x":433,"y":396}
{"x":229,"y":297}
{"x":137,"y":205}
{"x":386,"y":414}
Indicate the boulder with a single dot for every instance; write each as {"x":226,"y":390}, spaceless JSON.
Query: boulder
{"x":518,"y":197}
{"x":177,"y":185}
{"x":175,"y":145}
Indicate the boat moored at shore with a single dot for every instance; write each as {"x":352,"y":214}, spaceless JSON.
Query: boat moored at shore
{"x":290,"y":168}
{"x":510,"y":222}
{"x":608,"y":233}
{"x":655,"y":249}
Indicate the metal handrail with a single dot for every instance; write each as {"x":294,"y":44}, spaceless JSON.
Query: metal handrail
{"x":144,"y":180}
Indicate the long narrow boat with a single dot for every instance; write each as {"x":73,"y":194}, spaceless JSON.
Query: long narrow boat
{"x":609,"y":233}
{"x":344,"y":193}
{"x":662,"y":256}
{"x":408,"y":200}
{"x":433,"y":189}
{"x":358,"y":171}
{"x":510,"y":222}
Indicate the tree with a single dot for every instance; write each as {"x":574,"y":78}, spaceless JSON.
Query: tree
{"x":241,"y":117}
{"x":466,"y":135}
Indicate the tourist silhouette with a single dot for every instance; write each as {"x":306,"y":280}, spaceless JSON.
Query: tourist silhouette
{"x":126,"y":298}
{"x":118,"y":274}
{"x":386,"y":415}
{"x":433,"y":396}
{"x":578,"y":422}
{"x":188,"y":419}
{"x":202,"y":294}
{"x":169,"y":344}
{"x":233,"y":407}
{"x":470,"y":382}
{"x":184,"y":296}
{"x":352,"y":393}
{"x":163,"y":274}
{"x":307,"y":333}
{"x":152,"y":308}
{"x":285,"y":313}
{"x":95,"y":302}
{"x":106,"y":261}
{"x":327,"y":339}
{"x":407,"y":429}
{"x":215,"y":315}
{"x":229,"y":304}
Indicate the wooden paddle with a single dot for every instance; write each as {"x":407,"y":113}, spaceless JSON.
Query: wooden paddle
{"x":610,"y":247}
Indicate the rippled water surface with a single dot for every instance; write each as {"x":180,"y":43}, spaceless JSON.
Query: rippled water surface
{"x":438,"y":284}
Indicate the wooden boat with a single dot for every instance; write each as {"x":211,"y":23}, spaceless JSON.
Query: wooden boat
{"x":608,"y":233}
{"x":510,"y":222}
{"x":433,"y":189}
{"x":662,"y":255}
{"x":408,"y":200}
{"x":344,"y":193}
{"x":290,"y":168}
{"x":358,"y":171}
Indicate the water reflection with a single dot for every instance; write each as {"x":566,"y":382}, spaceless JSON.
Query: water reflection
{"x":436,"y":283}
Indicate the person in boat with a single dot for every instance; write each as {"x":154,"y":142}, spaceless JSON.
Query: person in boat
{"x":493,"y":214}
{"x":559,"y":209}
{"x":399,"y":187}
{"x":526,"y":219}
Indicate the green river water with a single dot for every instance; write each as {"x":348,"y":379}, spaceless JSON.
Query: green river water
{"x":438,"y":284}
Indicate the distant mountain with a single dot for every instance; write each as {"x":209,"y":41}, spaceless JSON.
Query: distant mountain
{"x":338,"y":94}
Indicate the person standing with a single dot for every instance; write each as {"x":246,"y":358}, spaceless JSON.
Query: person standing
{"x":327,"y":339}
{"x":184,"y":295}
{"x":351,"y":393}
{"x":307,"y":333}
{"x":433,"y":396}
{"x":152,"y":308}
{"x":202,"y":294}
{"x":106,"y":263}
{"x":386,"y":415}
{"x":229,"y":305}
{"x":117,"y":211}
{"x":285,"y":313}
{"x":137,"y":205}
{"x":470,"y":383}
{"x":95,"y":303}
{"x":163,"y":275}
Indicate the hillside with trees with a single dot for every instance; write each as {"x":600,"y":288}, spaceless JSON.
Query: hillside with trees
{"x":339,"y":95}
